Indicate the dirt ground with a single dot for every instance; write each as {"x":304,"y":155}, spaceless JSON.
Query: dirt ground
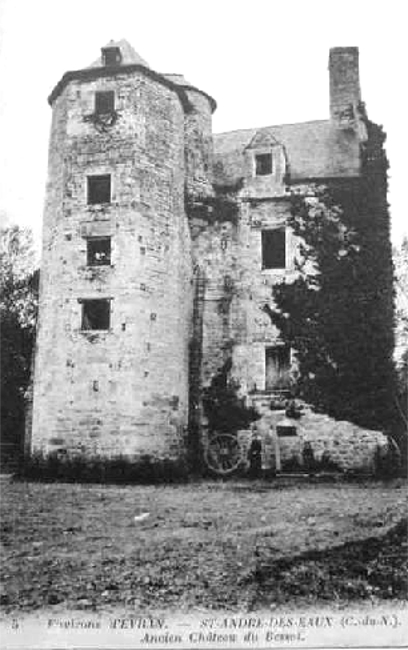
{"x":233,"y":545}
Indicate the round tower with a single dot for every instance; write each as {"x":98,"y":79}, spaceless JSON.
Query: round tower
{"x":111,"y":372}
{"x":198,"y":138}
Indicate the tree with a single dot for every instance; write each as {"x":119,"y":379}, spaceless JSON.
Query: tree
{"x":338,"y":315}
{"x":225,"y":410}
{"x":401,"y":307}
{"x":401,"y":341}
{"x":18,"y":312}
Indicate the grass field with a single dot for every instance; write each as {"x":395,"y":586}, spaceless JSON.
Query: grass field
{"x":232,"y":546}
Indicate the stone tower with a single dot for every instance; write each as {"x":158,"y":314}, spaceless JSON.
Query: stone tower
{"x":111,"y":371}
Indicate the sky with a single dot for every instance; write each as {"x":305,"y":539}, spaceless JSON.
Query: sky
{"x":263,"y":61}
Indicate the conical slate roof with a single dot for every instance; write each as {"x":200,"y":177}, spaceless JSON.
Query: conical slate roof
{"x":129,"y":55}
{"x":177,"y":79}
{"x":130,"y":60}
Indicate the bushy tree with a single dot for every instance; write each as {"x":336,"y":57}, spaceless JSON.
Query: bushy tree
{"x":401,"y":340}
{"x":18,"y":310}
{"x":401,"y":308}
{"x":338,"y":314}
{"x":225,"y":410}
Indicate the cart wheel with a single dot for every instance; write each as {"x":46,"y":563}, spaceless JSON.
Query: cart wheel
{"x":223,"y":454}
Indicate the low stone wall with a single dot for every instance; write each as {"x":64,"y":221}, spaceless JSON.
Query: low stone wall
{"x":348,"y":446}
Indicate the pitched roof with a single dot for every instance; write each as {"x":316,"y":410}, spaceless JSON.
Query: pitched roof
{"x":316,"y":149}
{"x":129,"y":55}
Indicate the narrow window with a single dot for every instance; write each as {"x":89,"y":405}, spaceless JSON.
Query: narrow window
{"x":95,"y":314}
{"x":263,"y":164}
{"x":98,"y":251}
{"x":99,"y":189}
{"x":277,"y":366}
{"x":111,"y":56}
{"x":274,"y":249}
{"x":104,"y":102}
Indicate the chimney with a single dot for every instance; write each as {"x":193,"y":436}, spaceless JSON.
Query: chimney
{"x":344,"y":84}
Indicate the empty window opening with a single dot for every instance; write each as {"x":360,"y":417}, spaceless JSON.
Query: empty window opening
{"x":95,"y":314}
{"x":274,"y":249}
{"x":99,"y":189}
{"x":98,"y":251}
{"x":263,"y":164}
{"x":111,"y":56}
{"x":104,"y":102}
{"x":277,"y":367}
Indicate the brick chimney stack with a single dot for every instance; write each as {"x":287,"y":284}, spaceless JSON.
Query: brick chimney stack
{"x":344,"y":83}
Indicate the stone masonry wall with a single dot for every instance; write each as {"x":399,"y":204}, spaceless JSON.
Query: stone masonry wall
{"x":123,"y":391}
{"x":349,"y":446}
{"x":255,"y":330}
{"x":237,"y":289}
{"x":198,"y":145}
{"x":215,"y":248}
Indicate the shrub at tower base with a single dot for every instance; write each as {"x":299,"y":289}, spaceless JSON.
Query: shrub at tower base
{"x":338,"y":314}
{"x":226,"y":412}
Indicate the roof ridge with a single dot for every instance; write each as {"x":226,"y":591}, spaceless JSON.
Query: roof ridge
{"x":272,"y":126}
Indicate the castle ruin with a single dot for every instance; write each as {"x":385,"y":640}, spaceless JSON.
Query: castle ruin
{"x":161,"y":243}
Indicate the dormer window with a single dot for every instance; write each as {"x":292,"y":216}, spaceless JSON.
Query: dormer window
{"x":263,"y":164}
{"x":111,"y":56}
{"x":104,"y":102}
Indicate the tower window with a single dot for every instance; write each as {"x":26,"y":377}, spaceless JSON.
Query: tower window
{"x":104,"y":102}
{"x":277,"y":367}
{"x":263,"y":164}
{"x":274,"y":249}
{"x":95,"y":314}
{"x":111,"y":56}
{"x":98,"y":251}
{"x":99,"y":189}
